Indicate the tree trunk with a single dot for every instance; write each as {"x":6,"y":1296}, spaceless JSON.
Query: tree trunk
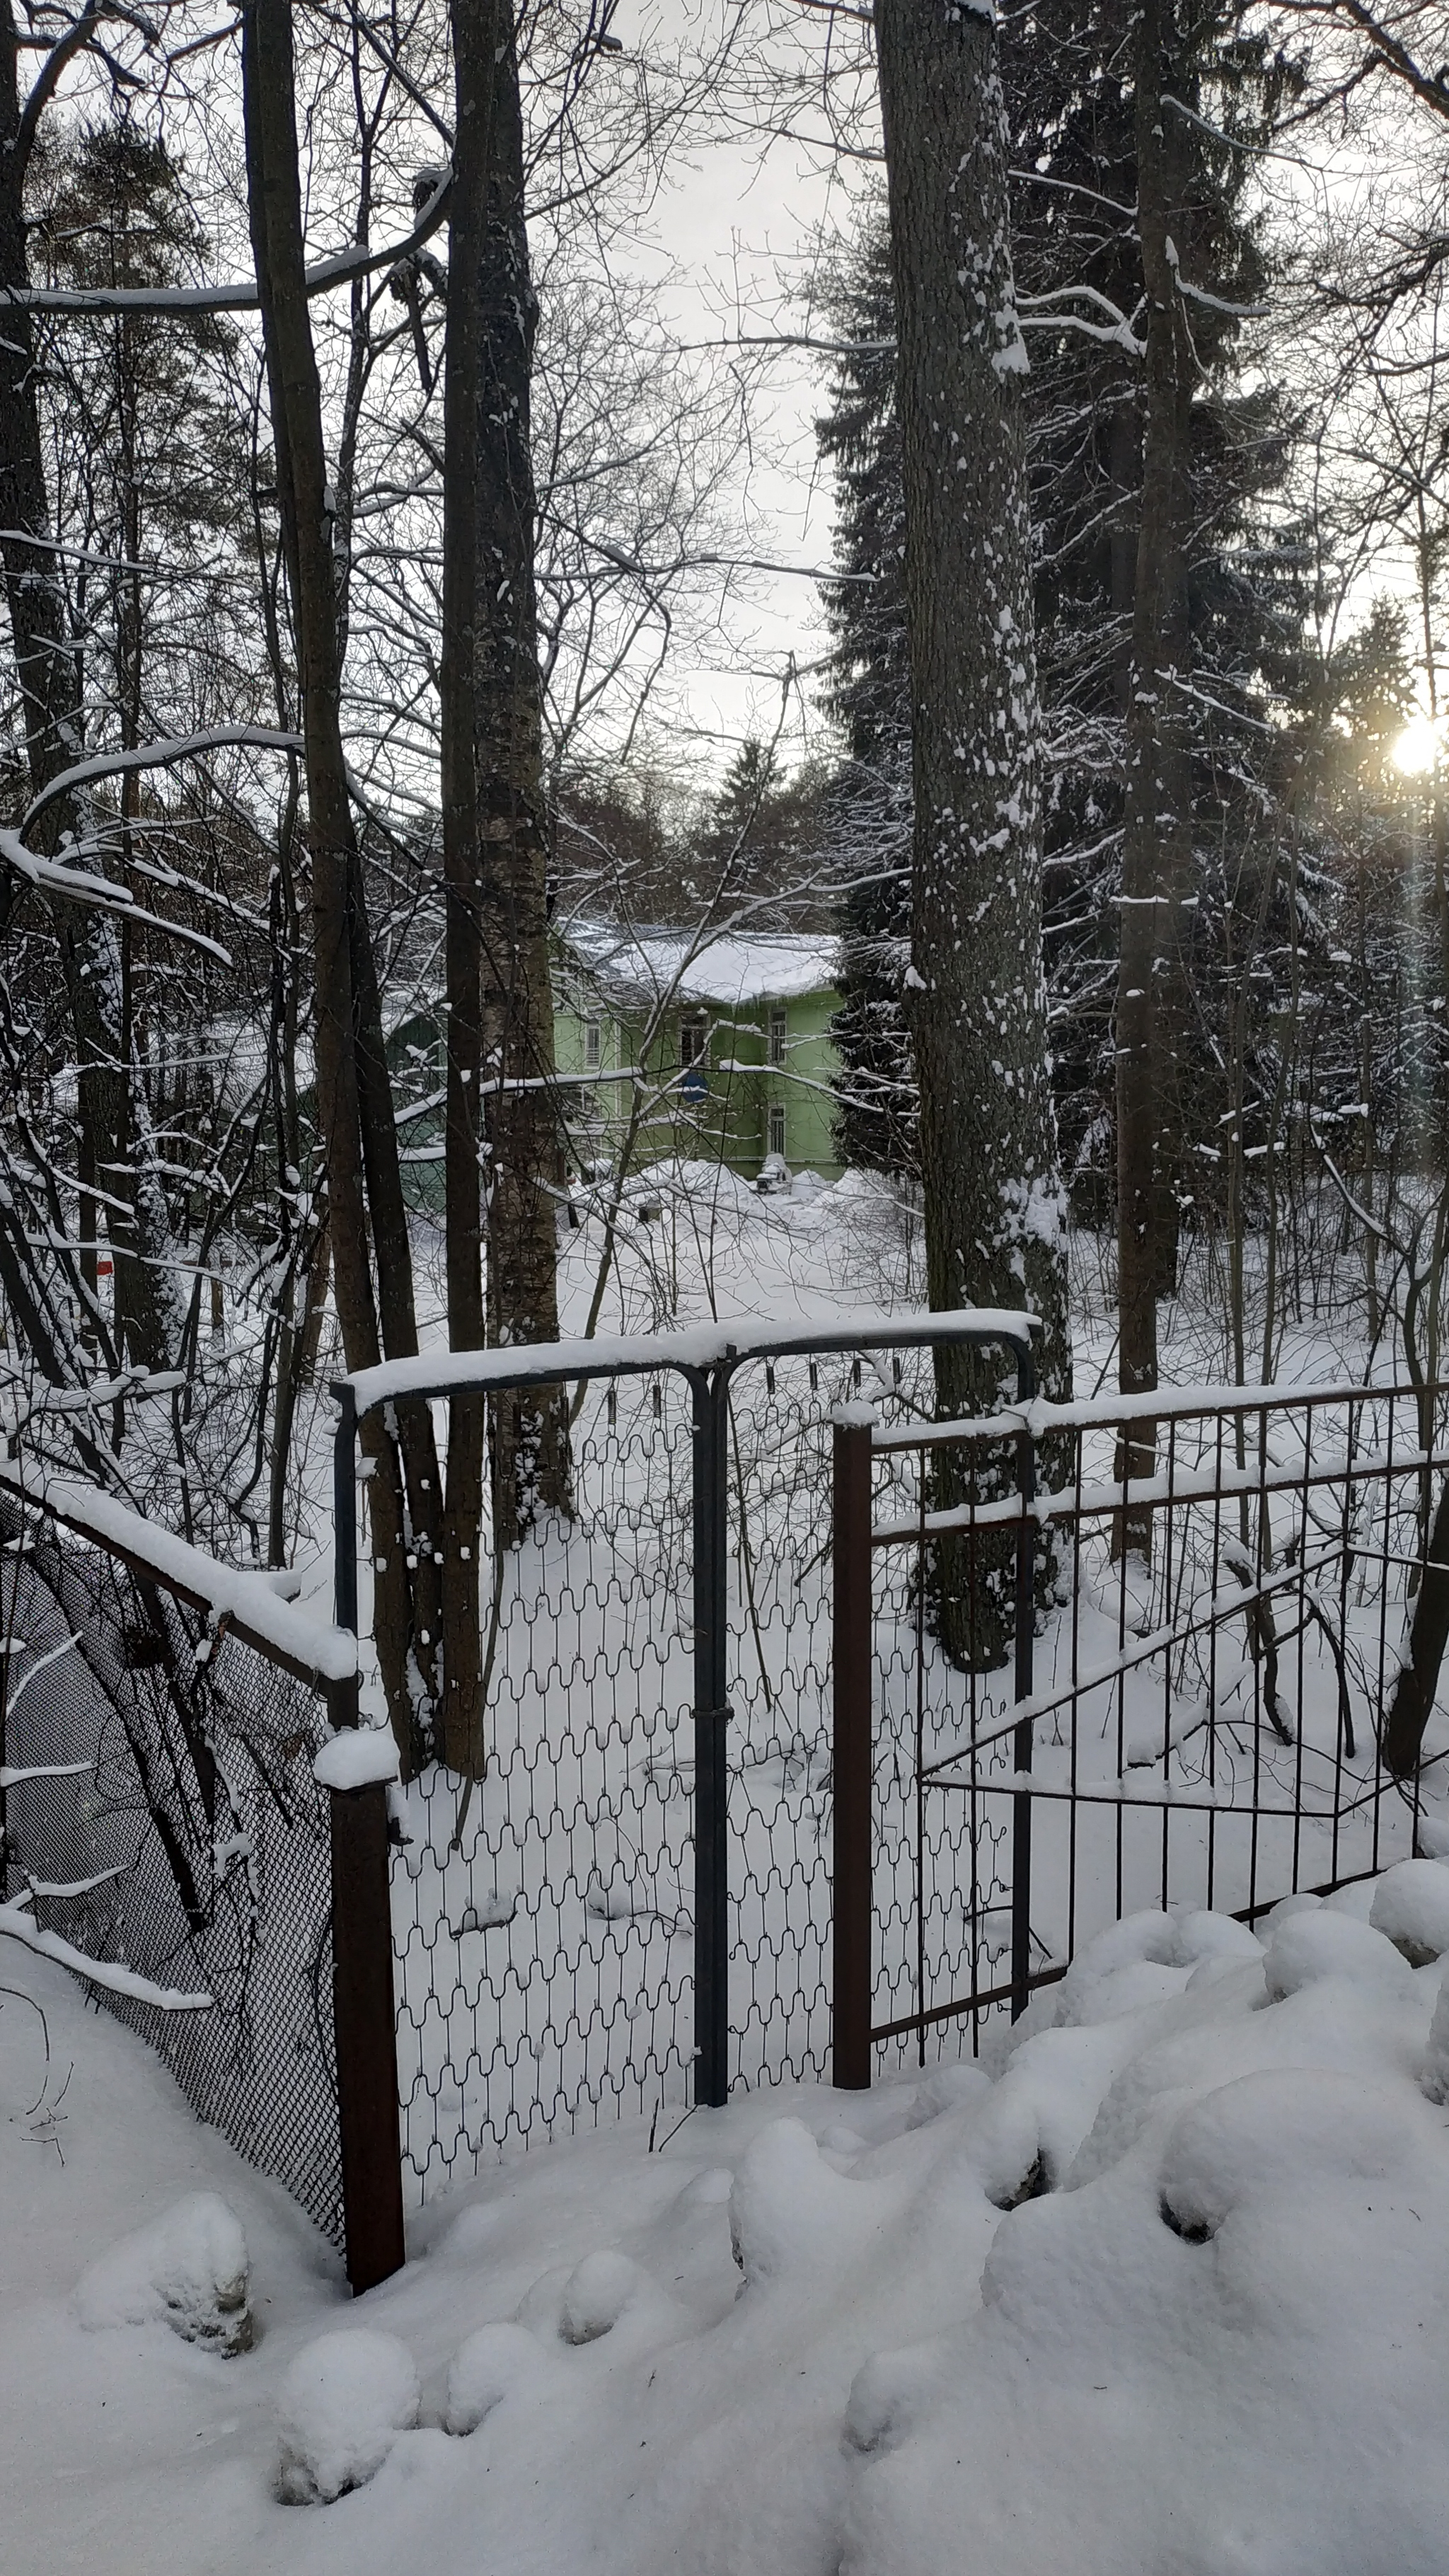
{"x":354,"y":1102}
{"x":1157,"y":817}
{"x":529,"y":1433}
{"x":979,"y":1019}
{"x":116,"y":1147}
{"x":1418,"y":1678}
{"x":475,"y":38}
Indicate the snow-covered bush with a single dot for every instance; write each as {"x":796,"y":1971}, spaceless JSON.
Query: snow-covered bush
{"x":1411,"y":1908}
{"x":1434,"y":2077}
{"x":342,"y":2404}
{"x":1278,"y":2130}
{"x":188,"y":2270}
{"x":494,"y":2363}
{"x":599,"y":2289}
{"x":1307,"y":1947}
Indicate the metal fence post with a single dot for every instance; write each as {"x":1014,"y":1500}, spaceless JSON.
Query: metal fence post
{"x":365,"y":2037}
{"x":711,"y":1393}
{"x":1022,"y":1740}
{"x":364,"y":2010}
{"x":344,"y":1511}
{"x":852,"y":1657}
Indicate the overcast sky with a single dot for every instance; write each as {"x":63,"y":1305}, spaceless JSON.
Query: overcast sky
{"x":737,"y":219}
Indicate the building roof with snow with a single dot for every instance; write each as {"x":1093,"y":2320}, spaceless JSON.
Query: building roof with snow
{"x":725,"y":967}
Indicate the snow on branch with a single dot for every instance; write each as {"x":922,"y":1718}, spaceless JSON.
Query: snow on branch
{"x":116,"y":1980}
{"x":240,"y":295}
{"x":1044,"y":313}
{"x":70,"y":1888}
{"x":53,"y":876}
{"x":158,"y":755}
{"x":80,"y":885}
{"x":1221,"y":304}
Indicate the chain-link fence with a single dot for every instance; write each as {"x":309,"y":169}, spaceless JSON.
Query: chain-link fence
{"x":553,"y":1920}
{"x":546,"y":1919}
{"x":172,"y":1828}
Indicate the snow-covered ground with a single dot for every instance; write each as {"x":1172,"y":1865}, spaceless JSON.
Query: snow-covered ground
{"x":1166,"y":2290}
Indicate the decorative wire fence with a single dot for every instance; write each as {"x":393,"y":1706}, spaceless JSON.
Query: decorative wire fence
{"x":175,"y":1833}
{"x":545,"y":1960}
{"x":1215,"y":1651}
{"x":1200,"y":1725}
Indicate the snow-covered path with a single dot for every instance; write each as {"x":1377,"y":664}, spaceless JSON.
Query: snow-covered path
{"x":1215,"y":2342}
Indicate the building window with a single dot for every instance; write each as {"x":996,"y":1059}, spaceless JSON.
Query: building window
{"x":777,"y":1128}
{"x":692,"y":1035}
{"x":779,"y":1031}
{"x":593,"y":1045}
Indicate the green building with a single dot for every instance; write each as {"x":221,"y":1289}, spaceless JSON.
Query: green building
{"x":668,"y":1043}
{"x":707,"y":1047}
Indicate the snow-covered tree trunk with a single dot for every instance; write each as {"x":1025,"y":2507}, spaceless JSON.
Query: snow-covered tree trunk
{"x":978,"y":998}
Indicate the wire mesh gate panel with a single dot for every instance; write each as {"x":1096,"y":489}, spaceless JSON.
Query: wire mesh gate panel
{"x":188,"y":1843}
{"x":1215,"y":1651}
{"x":545,"y":1955}
{"x":544,"y":1966}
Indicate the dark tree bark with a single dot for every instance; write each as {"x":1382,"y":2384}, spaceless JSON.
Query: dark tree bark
{"x":354,"y":1099}
{"x":523,"y":1159}
{"x":116,"y":1148}
{"x":1157,"y":819}
{"x":475,"y":41}
{"x":978,"y":1003}
{"x":1418,"y":1679}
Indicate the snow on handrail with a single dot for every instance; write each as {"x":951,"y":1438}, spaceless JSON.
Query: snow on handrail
{"x":696,"y":1346}
{"x":247,"y":1603}
{"x":1101,"y":1412}
{"x":1217,"y":1483}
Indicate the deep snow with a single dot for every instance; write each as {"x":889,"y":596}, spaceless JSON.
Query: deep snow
{"x":814,"y":2334}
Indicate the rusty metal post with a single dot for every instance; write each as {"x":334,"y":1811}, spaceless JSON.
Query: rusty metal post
{"x":365,"y":2036}
{"x":852,"y":1663}
{"x":364,"y":2009}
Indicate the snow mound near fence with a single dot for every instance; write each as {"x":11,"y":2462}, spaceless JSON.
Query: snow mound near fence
{"x":1159,"y":2287}
{"x":188,"y":2270}
{"x":343,"y":2403}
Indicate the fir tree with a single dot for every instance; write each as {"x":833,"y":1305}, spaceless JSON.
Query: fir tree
{"x":868,"y":802}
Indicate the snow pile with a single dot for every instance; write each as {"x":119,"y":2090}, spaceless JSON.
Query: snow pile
{"x":1411,"y":1907}
{"x":342,"y":2405}
{"x":497,"y":2362}
{"x":358,"y":1757}
{"x":1434,"y":2078}
{"x":1158,"y":2287}
{"x":1316,"y":1945}
{"x":188,"y":2270}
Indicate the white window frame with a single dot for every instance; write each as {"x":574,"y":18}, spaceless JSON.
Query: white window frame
{"x":776,"y":1129}
{"x":779,"y":1032}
